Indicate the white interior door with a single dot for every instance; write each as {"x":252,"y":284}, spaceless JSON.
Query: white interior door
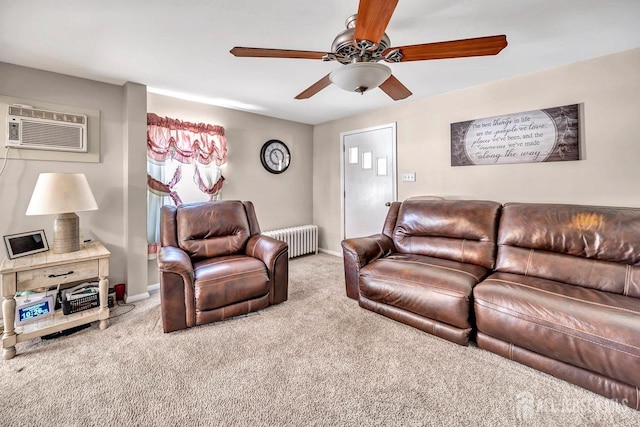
{"x":368,"y":179}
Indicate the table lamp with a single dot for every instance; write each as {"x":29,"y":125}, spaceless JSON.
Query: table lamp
{"x":62,"y":194}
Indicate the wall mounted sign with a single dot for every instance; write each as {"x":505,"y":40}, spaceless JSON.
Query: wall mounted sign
{"x":549,"y":135}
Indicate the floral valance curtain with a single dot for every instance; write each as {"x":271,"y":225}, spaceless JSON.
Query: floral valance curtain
{"x":176,"y":148}
{"x":185,"y":142}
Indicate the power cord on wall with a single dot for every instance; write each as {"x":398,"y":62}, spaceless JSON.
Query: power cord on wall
{"x":4,"y":163}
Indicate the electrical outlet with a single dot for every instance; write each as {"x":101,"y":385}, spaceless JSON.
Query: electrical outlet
{"x":409,"y":177}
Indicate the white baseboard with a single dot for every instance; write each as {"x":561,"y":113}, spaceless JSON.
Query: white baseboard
{"x":328,"y":252}
{"x":133,"y":298}
{"x":153,"y":287}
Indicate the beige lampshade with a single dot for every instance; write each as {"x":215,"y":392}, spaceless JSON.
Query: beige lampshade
{"x":62,"y":194}
{"x":57,"y":193}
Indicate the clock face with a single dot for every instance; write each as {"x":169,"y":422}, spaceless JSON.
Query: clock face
{"x":275,"y":156}
{"x":34,"y":309}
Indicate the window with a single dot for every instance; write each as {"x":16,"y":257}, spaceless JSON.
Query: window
{"x":177,"y":149}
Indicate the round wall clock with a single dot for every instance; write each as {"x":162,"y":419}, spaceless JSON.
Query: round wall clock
{"x":275,"y":156}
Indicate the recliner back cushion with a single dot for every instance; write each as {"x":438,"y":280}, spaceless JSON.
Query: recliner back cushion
{"x":590,"y":246}
{"x":458,"y":230}
{"x":211,"y":229}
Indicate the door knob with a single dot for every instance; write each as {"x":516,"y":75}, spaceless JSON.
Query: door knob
{"x":388,"y":204}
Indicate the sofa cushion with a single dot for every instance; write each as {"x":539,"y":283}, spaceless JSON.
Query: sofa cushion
{"x":206,"y":233}
{"x":227,"y":280}
{"x":598,"y":331}
{"x":590,"y":246}
{"x":431,"y":287}
{"x":457,"y":230}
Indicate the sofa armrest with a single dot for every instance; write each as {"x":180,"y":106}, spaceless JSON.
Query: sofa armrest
{"x":275,"y":256}
{"x":176,"y":288}
{"x":359,"y":252}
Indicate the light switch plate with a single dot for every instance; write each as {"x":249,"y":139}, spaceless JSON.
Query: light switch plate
{"x":409,"y":177}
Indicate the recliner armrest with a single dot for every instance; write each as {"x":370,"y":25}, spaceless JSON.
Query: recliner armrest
{"x":275,"y":256}
{"x":368,"y":249}
{"x":359,"y":252}
{"x":174,"y":260}
{"x":265,"y":248}
{"x":176,"y":288}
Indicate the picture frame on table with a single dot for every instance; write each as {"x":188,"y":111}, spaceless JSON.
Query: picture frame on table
{"x":23,"y":244}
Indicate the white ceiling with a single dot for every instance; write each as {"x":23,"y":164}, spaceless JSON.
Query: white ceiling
{"x":182,"y":46}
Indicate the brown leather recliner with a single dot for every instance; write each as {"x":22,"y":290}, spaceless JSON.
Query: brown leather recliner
{"x":422,"y":268}
{"x":214,"y":264}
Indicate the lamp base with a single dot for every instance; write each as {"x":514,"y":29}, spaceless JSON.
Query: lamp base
{"x":66,"y":233}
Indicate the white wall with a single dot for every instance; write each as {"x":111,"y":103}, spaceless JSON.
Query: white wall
{"x":134,"y":154}
{"x":608,"y":174}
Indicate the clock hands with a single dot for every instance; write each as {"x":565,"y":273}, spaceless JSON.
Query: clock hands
{"x":276,"y":156}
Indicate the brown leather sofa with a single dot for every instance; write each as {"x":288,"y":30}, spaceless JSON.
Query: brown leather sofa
{"x":215,"y":264}
{"x":422,"y":268}
{"x":563,"y":296}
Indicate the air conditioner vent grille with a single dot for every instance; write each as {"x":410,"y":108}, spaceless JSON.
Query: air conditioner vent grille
{"x":51,"y":135}
{"x":47,"y":115}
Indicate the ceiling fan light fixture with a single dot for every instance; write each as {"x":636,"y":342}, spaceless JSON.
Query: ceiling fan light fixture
{"x":360,"y":76}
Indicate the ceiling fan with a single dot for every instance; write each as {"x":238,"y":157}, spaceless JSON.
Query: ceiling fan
{"x":364,"y":44}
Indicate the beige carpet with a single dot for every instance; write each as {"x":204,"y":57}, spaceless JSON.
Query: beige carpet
{"x":317,"y":360}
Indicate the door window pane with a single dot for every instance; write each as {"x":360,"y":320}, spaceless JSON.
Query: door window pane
{"x":382,"y":166}
{"x":367,"y":160}
{"x":353,"y":155}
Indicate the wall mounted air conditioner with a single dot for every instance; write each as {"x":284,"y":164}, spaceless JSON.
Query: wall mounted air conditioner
{"x":37,"y":129}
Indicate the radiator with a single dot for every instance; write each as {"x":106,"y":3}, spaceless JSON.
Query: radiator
{"x":301,"y":240}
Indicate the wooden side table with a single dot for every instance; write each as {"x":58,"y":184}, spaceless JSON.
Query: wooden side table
{"x":48,"y":269}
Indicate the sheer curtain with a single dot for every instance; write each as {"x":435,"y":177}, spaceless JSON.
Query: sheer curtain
{"x":176,"y":148}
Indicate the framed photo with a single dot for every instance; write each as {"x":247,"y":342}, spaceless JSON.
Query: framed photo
{"x":23,"y":244}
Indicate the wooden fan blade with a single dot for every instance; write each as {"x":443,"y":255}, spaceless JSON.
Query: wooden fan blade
{"x":480,"y":46}
{"x":373,"y":18}
{"x":314,"y":88}
{"x":395,"y":89}
{"x":256,"y":52}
